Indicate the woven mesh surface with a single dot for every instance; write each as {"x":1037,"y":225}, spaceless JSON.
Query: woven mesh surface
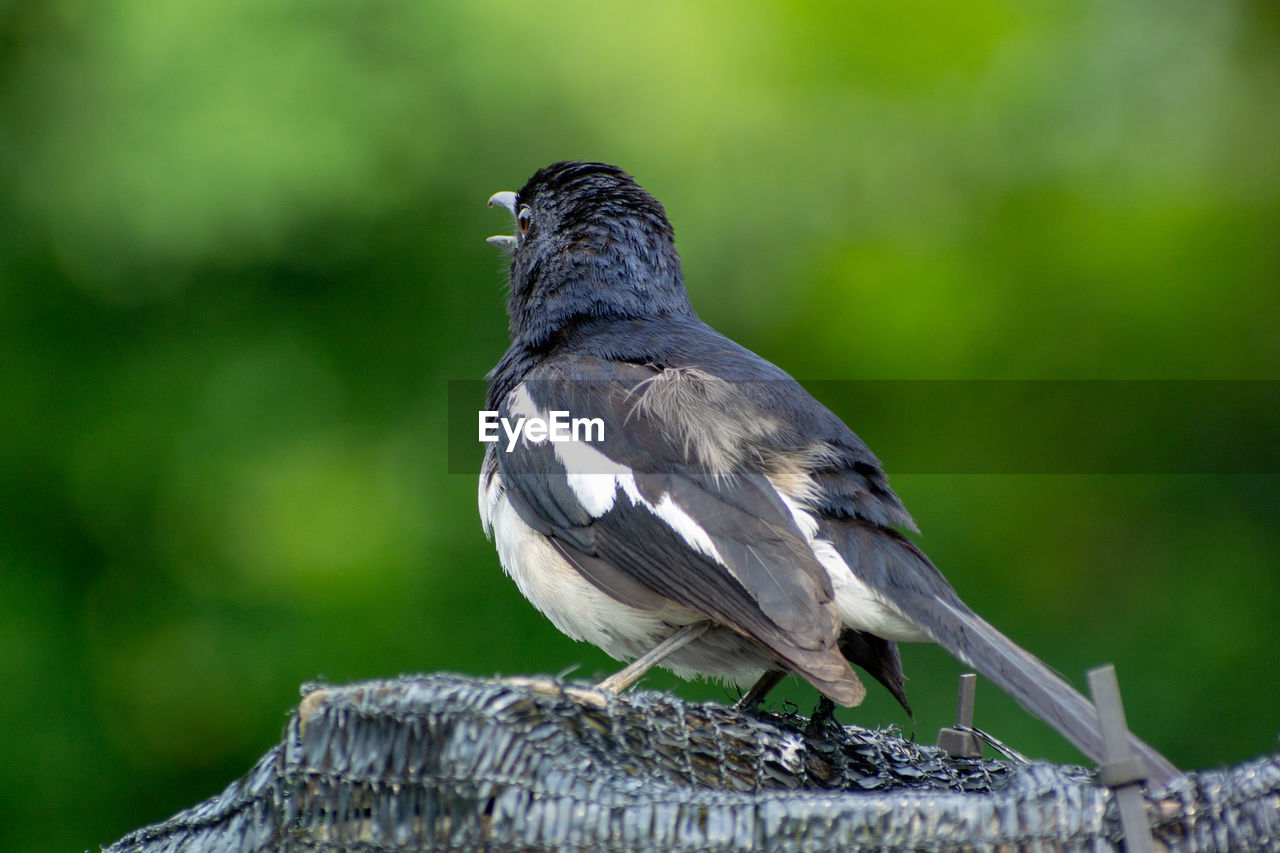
{"x":453,"y":763}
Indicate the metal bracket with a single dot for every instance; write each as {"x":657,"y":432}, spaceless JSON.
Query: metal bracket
{"x":1121,"y":771}
{"x":959,"y":741}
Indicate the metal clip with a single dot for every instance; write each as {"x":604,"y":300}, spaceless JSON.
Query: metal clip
{"x":960,"y":741}
{"x":1122,"y":771}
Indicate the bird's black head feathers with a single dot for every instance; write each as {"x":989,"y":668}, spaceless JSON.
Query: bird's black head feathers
{"x":597,"y":246}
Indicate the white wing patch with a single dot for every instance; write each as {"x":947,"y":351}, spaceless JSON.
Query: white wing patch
{"x":520,"y":404}
{"x":683,"y":523}
{"x":859,"y":606}
{"x":596,"y":480}
{"x":594,"y":477}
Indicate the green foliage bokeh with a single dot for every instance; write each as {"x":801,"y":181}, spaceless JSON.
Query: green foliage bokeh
{"x":241,"y":258}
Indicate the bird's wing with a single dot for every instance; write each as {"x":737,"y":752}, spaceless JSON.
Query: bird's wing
{"x":635,"y":510}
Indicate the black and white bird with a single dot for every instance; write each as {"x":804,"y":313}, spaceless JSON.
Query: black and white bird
{"x":722,"y":522}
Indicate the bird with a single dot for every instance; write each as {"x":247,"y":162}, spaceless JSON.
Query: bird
{"x":712,"y":517}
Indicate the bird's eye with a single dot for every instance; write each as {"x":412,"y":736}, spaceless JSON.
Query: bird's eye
{"x":524,"y":219}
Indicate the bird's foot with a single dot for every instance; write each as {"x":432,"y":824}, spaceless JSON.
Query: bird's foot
{"x":823,"y":715}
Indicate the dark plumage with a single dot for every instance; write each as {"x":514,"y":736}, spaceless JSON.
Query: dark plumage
{"x":720,"y":490}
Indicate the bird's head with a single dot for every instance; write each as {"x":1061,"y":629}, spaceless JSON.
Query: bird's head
{"x":589,"y":243}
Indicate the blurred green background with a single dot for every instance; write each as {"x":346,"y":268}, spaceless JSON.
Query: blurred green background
{"x":242,"y":255}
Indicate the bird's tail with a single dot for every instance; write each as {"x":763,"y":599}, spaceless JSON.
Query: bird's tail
{"x":929,"y":601}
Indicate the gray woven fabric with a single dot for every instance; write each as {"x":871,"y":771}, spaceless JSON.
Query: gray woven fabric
{"x":452,"y":763}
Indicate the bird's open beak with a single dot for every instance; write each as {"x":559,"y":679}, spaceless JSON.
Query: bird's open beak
{"x":505,"y":242}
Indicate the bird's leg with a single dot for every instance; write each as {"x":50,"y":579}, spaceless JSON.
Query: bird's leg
{"x":754,"y":696}
{"x":620,"y":681}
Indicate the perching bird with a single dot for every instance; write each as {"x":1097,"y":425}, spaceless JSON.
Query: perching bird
{"x":724,"y":523}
